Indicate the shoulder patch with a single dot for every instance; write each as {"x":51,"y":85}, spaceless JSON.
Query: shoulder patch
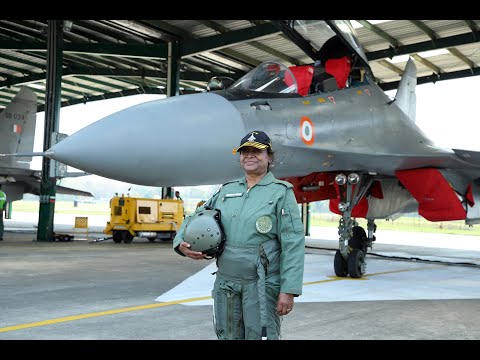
{"x":212,"y":199}
{"x":231,"y":181}
{"x":283,"y":182}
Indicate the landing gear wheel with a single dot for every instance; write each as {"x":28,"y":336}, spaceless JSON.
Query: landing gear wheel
{"x":127,"y":237}
{"x":356,"y":263}
{"x":340,"y":265}
{"x":117,"y":236}
{"x":358,"y":239}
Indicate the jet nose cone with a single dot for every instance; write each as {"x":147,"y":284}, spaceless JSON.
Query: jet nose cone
{"x":179,"y":141}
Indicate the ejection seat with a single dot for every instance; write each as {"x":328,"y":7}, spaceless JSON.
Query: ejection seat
{"x":303,"y":75}
{"x":340,"y":69}
{"x":322,"y":81}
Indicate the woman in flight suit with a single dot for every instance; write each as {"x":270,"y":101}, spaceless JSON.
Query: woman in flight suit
{"x":260,"y":270}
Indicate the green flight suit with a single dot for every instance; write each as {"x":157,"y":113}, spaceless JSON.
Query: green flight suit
{"x":263,"y":256}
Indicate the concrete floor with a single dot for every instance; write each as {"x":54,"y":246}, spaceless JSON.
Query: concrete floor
{"x":82,"y":290}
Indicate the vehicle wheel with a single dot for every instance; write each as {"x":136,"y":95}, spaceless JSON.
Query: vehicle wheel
{"x":127,"y":237}
{"x":340,"y":265}
{"x":356,"y":263}
{"x":151,"y":239}
{"x":117,"y":236}
{"x":358,"y":239}
{"x":170,"y":237}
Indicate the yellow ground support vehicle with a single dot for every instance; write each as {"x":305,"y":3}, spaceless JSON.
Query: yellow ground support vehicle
{"x":140,"y":217}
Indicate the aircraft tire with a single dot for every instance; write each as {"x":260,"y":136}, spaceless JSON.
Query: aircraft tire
{"x":340,"y":265}
{"x":127,"y":237}
{"x":356,"y":263}
{"x":358,"y":239}
{"x":117,"y":236}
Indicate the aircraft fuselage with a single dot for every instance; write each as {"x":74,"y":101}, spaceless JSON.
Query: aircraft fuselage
{"x":196,"y":134}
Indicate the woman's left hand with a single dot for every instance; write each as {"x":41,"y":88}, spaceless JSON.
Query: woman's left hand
{"x":284,"y":303}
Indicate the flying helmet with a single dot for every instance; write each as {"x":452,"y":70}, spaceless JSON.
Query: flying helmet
{"x":204,"y":232}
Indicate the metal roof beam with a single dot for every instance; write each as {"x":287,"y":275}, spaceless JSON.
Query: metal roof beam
{"x":375,"y":29}
{"x":138,"y":30}
{"x":462,"y":57}
{"x":427,"y":63}
{"x":471,"y":24}
{"x":132,"y":50}
{"x":162,"y":29}
{"x":72,"y":82}
{"x":217,"y":42}
{"x":392,"y":67}
{"x":440,"y":43}
{"x":431,"y":34}
{"x":188,"y":75}
{"x":24,"y":61}
{"x":256,"y":44}
{"x":434,"y":78}
{"x":111,"y":95}
{"x":296,"y":38}
{"x":20,"y":30}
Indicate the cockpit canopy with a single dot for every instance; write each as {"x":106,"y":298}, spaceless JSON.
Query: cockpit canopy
{"x":270,"y":77}
{"x":334,"y":45}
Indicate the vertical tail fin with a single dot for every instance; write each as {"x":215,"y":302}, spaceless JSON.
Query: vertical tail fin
{"x":17,"y":128}
{"x":405,"y":97}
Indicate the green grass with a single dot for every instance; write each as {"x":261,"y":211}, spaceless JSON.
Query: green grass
{"x":63,"y":207}
{"x":414,"y":224}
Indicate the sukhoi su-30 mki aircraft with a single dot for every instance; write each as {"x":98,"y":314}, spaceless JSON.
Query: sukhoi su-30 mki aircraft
{"x":336,"y":136}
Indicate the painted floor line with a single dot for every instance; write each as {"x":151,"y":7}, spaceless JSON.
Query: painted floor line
{"x":98,"y":313}
{"x":176,"y":302}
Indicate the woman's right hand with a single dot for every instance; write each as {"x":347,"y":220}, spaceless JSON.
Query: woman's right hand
{"x":184,"y":247}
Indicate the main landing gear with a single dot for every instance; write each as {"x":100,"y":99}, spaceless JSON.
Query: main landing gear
{"x":353,"y":242}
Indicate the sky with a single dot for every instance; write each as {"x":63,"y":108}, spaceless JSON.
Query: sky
{"x":447,"y":112}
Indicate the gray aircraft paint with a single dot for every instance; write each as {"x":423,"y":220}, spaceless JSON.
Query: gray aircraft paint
{"x":17,"y":135}
{"x":188,"y":140}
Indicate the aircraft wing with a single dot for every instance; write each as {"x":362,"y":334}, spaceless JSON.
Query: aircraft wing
{"x":16,"y":182}
{"x":468,"y":156}
{"x":75,"y":174}
{"x":71,"y":191}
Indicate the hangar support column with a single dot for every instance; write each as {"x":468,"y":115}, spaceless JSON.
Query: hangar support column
{"x":306,"y":218}
{"x":52,"y":111}
{"x":173,"y":80}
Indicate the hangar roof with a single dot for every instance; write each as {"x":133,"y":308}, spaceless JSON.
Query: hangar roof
{"x":111,"y":58}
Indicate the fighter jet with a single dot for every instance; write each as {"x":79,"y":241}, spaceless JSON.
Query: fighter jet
{"x":336,"y":136}
{"x":17,"y":135}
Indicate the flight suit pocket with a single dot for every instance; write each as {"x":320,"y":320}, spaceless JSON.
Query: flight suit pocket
{"x":291,"y":220}
{"x":270,"y":252}
{"x":227,"y":310}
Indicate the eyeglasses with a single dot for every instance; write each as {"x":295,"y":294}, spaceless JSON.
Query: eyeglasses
{"x":251,"y":150}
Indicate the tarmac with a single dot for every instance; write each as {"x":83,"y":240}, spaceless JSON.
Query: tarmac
{"x":417,"y":286}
